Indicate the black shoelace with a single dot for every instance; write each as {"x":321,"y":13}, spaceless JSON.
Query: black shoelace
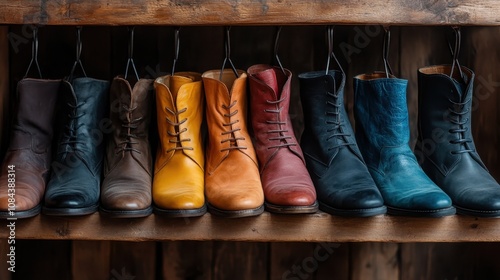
{"x":459,"y":111}
{"x":70,"y":130}
{"x":280,"y":132}
{"x":232,"y":139}
{"x":336,"y":128}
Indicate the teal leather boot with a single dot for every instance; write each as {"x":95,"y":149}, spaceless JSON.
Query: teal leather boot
{"x":382,"y":133}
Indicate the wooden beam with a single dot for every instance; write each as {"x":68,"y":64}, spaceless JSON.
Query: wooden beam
{"x":249,"y":12}
{"x":318,"y":227}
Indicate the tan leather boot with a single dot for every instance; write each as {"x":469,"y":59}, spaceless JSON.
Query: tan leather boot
{"x":232,"y":181}
{"x":178,"y":186}
{"x":26,"y":166}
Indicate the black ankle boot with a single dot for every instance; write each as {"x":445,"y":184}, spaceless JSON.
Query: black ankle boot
{"x":445,"y":146}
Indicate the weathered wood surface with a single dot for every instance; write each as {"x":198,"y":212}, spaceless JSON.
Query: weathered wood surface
{"x":248,"y":12}
{"x":311,"y":228}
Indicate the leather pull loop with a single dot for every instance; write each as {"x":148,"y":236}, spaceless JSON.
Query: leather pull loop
{"x":331,"y":54}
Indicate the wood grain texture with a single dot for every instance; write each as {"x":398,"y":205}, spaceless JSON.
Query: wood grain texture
{"x":186,"y":260}
{"x":90,"y":260}
{"x":267,"y":227}
{"x":374,"y":261}
{"x":239,"y":260}
{"x":450,"y":261}
{"x":4,"y":88}
{"x":132,"y":260}
{"x":236,"y":12}
{"x":292,"y":261}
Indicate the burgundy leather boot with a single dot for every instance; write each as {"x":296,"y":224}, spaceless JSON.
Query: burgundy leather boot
{"x":288,"y":188}
{"x":25,"y":169}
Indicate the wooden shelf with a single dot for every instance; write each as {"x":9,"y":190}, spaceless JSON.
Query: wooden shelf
{"x":319,"y":227}
{"x":250,"y":12}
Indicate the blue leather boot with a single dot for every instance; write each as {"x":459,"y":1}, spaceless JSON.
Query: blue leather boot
{"x":382,"y":132}
{"x":75,"y":180}
{"x":445,"y":146}
{"x":342,"y":181}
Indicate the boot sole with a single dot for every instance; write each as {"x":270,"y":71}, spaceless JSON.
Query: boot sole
{"x":363,"y":212}
{"x":126,"y":213}
{"x":181,"y":213}
{"x":421,"y":213}
{"x":22,"y":214}
{"x":70,"y":211}
{"x":236,"y":213}
{"x":290,"y":209}
{"x":477,"y":213}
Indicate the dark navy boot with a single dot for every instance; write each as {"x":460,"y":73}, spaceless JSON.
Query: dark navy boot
{"x":445,"y":146}
{"x":342,"y":181}
{"x":382,"y":133}
{"x":75,"y":180}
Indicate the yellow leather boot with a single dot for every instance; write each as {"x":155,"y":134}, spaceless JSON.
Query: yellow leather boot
{"x":178,"y":184}
{"x":232,"y":180}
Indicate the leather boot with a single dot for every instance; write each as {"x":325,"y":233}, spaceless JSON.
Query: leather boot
{"x":445,"y":145}
{"x":128,"y":164}
{"x":287,"y":185}
{"x":382,"y":132}
{"x":30,"y":150}
{"x":75,"y":179}
{"x":343,"y":183}
{"x":232,"y":182}
{"x":179,"y":183}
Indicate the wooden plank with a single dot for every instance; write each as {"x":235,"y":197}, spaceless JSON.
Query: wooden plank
{"x":133,"y":260}
{"x":187,"y":260}
{"x":239,"y":260}
{"x":4,"y":88}
{"x":293,"y":261}
{"x":374,"y":261}
{"x":450,"y":261}
{"x":35,"y":259}
{"x":90,"y":260}
{"x":318,"y":227}
{"x":336,"y":265}
{"x":236,"y":12}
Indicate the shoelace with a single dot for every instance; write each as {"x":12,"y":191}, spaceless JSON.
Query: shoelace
{"x":336,"y":123}
{"x":176,"y":134}
{"x":129,"y":125}
{"x":281,"y":132}
{"x":461,"y":129}
{"x":233,"y":140}
{"x":70,"y":131}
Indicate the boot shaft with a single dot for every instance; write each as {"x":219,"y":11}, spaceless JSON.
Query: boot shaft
{"x":180,"y":112}
{"x":269,"y":103}
{"x":381,"y":111}
{"x":83,"y":108}
{"x":226,"y":113}
{"x":34,"y":122}
{"x":445,"y":115}
{"x":327,"y":126}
